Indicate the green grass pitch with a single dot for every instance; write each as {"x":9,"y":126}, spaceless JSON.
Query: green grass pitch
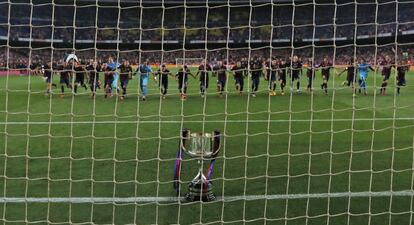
{"x":292,"y":144}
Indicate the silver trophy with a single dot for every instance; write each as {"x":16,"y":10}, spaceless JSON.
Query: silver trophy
{"x":204,"y":146}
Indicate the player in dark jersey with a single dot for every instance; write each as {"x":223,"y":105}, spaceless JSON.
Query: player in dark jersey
{"x":93,"y":70}
{"x":325,"y":68}
{"x":350,"y":74}
{"x":47,"y":74}
{"x":163,"y":74}
{"x":283,"y":68}
{"x":79,"y":77}
{"x":402,"y":69}
{"x":182,"y":77}
{"x":108,"y":79}
{"x":221,"y":72}
{"x":256,"y":67}
{"x":310,"y":74}
{"x":204,"y":78}
{"x":271,"y":75}
{"x":295,"y":71}
{"x":125,"y":75}
{"x":386,"y":73}
{"x":238,"y":73}
{"x":65,"y":77}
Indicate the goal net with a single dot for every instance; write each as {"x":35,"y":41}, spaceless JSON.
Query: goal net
{"x":193,"y":62}
{"x":290,"y":112}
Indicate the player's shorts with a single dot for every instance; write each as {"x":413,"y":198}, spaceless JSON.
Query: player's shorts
{"x":163,"y":83}
{"x":325,"y":77}
{"x":255,"y":81}
{"x":48,"y":79}
{"x":350,"y":78}
{"x":124,"y":83}
{"x":182,"y":84}
{"x":282,"y":79}
{"x":239,"y":80}
{"x":386,"y":77}
{"x":295,"y":76}
{"x":401,"y":81}
{"x":222,"y":83}
{"x":272,"y":77}
{"x":64,"y":80}
{"x":143,"y":80}
{"x":109,"y":82}
{"x":204,"y":82}
{"x":80,"y":79}
{"x":115,"y":81}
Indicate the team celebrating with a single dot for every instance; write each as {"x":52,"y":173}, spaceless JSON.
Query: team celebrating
{"x":276,"y":72}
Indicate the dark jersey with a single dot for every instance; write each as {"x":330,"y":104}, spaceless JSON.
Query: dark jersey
{"x":125,"y":72}
{"x":295,"y":68}
{"x":109,"y":76}
{"x":47,"y":71}
{"x":182,"y":74}
{"x":350,"y":70}
{"x":283,"y":70}
{"x":325,"y":69}
{"x":93,"y":72}
{"x":221,"y":73}
{"x":256,"y":68}
{"x":386,"y":68}
{"x":203,"y":70}
{"x":310,"y":71}
{"x":65,"y":71}
{"x":163,"y":74}
{"x":79,"y":71}
{"x":238,"y":72}
{"x":401,"y":70}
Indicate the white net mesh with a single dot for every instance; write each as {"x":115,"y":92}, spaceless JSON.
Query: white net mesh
{"x":97,"y":141}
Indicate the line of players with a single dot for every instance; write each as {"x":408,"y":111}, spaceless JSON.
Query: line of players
{"x":275,"y":71}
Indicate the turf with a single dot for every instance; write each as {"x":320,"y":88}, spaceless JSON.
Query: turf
{"x":293,"y":144}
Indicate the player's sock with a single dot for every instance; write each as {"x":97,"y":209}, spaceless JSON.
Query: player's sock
{"x":298,"y":85}
{"x":144,"y":90}
{"x":76,"y":89}
{"x":274,"y":87}
{"x":62,"y":89}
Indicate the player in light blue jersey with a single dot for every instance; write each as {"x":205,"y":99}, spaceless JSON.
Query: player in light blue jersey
{"x":144,"y":70}
{"x":113,"y":66}
{"x":363,"y":70}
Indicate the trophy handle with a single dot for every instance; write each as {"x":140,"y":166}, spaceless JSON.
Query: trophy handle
{"x":216,"y":143}
{"x":185,"y":135}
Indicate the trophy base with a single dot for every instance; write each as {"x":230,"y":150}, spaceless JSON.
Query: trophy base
{"x":200,"y":189}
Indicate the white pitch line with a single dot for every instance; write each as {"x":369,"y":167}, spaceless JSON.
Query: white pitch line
{"x":406,"y":193}
{"x":199,"y":121}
